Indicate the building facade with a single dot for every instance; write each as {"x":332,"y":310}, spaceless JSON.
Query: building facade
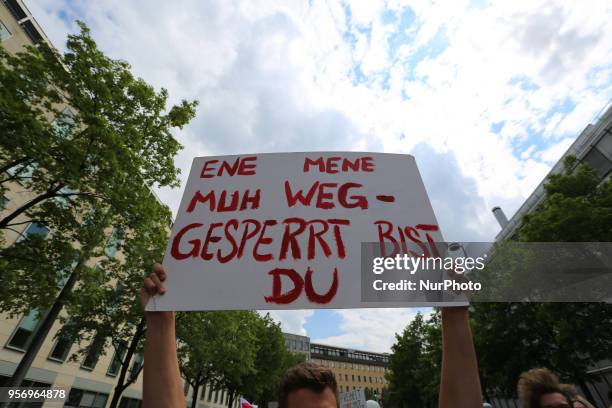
{"x":298,"y":344}
{"x":354,"y":369}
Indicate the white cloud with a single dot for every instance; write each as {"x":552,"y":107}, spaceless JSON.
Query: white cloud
{"x":370,"y":329}
{"x":553,"y":153}
{"x":292,"y":321}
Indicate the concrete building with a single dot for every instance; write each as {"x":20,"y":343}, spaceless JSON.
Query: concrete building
{"x":354,"y":369}
{"x":298,"y":344}
{"x":594,"y":147}
{"x":89,"y":380}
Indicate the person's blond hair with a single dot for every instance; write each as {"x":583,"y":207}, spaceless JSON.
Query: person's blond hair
{"x":535,"y":383}
{"x":572,"y":392}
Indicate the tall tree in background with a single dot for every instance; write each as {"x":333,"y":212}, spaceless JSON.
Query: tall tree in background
{"x":272,"y":359}
{"x":96,"y":162}
{"x":118,"y":132}
{"x":243,"y":345}
{"x":414,"y":364}
{"x":212,"y":345}
{"x":108,"y":309}
{"x":566,"y":337}
{"x":106,"y":153}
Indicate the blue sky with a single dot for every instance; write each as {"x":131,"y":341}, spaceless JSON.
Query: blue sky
{"x":486,"y":95}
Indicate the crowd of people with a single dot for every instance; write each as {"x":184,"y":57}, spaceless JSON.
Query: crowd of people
{"x":311,"y":386}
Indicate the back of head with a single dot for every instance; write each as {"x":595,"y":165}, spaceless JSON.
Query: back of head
{"x":306,"y":376}
{"x":535,"y":383}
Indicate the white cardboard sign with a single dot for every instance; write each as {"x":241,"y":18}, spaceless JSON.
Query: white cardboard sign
{"x":284,"y":230}
{"x":352,"y":399}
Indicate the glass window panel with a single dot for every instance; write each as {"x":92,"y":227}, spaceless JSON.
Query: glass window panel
{"x":4,"y":32}
{"x":74,"y":398}
{"x":100,"y":401}
{"x":23,"y":333}
{"x":61,"y":349}
{"x":115,"y":365}
{"x":34,"y":229}
{"x":87,"y":399}
{"x":136,"y":365}
{"x":95,"y":349}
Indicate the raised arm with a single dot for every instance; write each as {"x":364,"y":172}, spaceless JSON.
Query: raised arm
{"x":162,"y":387}
{"x":460,"y":383}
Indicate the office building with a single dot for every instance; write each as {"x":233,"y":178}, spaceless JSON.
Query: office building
{"x":354,"y":369}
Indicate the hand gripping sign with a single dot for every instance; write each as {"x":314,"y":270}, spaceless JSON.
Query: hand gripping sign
{"x":284,"y":230}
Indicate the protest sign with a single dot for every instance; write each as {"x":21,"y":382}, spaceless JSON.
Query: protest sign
{"x":352,"y":399}
{"x":284,"y":230}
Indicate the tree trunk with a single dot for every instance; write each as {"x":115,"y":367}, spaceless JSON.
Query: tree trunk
{"x":125,"y":364}
{"x":194,"y":398}
{"x":6,"y":220}
{"x":231,"y":399}
{"x":41,"y":333}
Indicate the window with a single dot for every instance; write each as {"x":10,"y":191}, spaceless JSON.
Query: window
{"x":4,"y":202}
{"x":599,"y":162}
{"x":93,"y":354}
{"x":135,"y":370}
{"x":84,"y":399}
{"x":34,"y":229}
{"x":4,"y":32}
{"x":64,"y":201}
{"x":130,"y":403}
{"x":112,"y":245}
{"x":115,"y":365}
{"x":203,"y":393}
{"x":216,"y":396}
{"x":15,"y":9}
{"x":210,"y":391}
{"x":63,"y":124}
{"x":185,"y":388}
{"x":25,"y":329}
{"x":60,"y":350}
{"x":23,"y":172}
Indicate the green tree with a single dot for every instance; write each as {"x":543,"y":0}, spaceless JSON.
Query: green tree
{"x":118,"y":132}
{"x":108,"y":308}
{"x":272,"y":359}
{"x":217,"y":348}
{"x":92,"y":165}
{"x":106,"y":154}
{"x":414,"y":364}
{"x":242,"y":343}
